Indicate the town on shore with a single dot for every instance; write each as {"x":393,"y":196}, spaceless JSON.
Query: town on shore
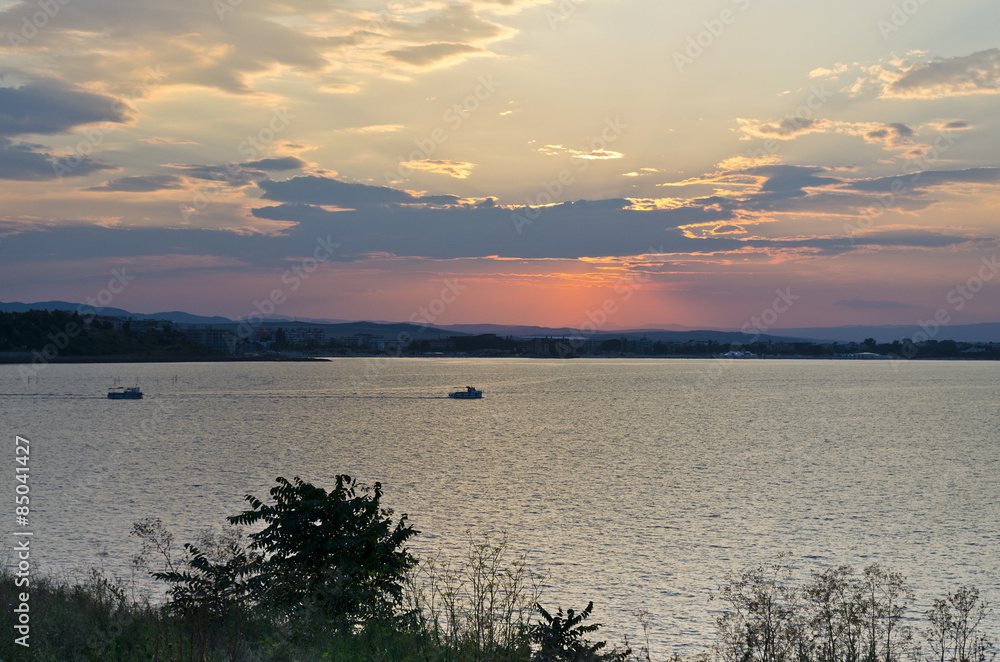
{"x":40,"y":336}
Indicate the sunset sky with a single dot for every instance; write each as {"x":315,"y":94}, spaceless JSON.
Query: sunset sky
{"x":505,"y":161}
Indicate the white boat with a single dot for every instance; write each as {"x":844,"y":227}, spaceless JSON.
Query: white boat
{"x":122,"y":393}
{"x":470,"y":393}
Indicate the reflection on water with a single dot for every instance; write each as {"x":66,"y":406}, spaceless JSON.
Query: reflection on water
{"x":636,"y":484}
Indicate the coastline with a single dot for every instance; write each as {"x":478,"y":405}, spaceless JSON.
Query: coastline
{"x":22,"y":360}
{"x":28,"y":360}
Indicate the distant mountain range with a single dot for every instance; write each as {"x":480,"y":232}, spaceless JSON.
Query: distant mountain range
{"x":987,"y":332}
{"x":173,"y":316}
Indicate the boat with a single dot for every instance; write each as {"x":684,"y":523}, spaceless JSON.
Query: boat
{"x":470,"y":393}
{"x":123,"y":393}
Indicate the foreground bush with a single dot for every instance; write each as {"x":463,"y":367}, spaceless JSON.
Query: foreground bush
{"x":336,"y":554}
{"x":561,"y":637}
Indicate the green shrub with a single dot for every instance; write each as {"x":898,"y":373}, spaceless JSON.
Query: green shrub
{"x":336,"y":555}
{"x":560,"y":638}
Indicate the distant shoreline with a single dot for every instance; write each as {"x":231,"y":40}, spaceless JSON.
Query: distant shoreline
{"x":27,"y":360}
{"x":23,"y":360}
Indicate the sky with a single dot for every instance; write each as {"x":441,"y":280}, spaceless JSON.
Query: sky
{"x":586,"y":163}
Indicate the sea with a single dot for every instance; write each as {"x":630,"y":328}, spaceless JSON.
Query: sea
{"x":640,"y":485}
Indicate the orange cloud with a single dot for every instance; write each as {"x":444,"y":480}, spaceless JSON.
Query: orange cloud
{"x":456,"y":169}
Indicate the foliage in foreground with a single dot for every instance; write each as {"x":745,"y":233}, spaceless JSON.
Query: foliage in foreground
{"x":336,"y":554}
{"x":327,"y":578}
{"x":561,"y":637}
{"x":843,"y":616}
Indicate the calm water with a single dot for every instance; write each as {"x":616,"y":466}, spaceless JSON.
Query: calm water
{"x":636,"y":484}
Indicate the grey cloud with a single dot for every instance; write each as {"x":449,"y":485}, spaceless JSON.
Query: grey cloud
{"x":49,"y":107}
{"x":891,"y":135}
{"x":791,"y":179}
{"x":29,"y":162}
{"x":557,"y":232}
{"x":277,"y":164}
{"x":240,"y":174}
{"x":69,"y":241}
{"x":927,"y":179}
{"x":955,"y":76}
{"x":783,"y":190}
{"x":233,"y":175}
{"x":395,"y":221}
{"x":846,"y":203}
{"x":315,"y":190}
{"x":568,"y":230}
{"x":441,"y":200}
{"x":140,"y":184}
{"x":610,"y":203}
{"x":325,"y":191}
{"x":428,"y":54}
{"x":912,"y":239}
{"x":893,"y":240}
{"x":456,"y":22}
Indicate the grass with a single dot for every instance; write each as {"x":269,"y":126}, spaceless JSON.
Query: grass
{"x":477,"y":610}
{"x":96,"y":622}
{"x":472,"y":611}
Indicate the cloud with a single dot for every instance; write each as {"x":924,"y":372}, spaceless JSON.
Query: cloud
{"x":325,"y":191}
{"x":374,"y":128}
{"x":891,"y":136}
{"x":140,"y":184}
{"x":917,"y":77}
{"x":240,"y":174}
{"x":813,"y":191}
{"x":109,"y":40}
{"x":429,"y":55}
{"x":824,"y":72}
{"x":237,"y":47}
{"x":642,"y":172}
{"x":28,"y":162}
{"x":978,"y":73}
{"x":568,"y":230}
{"x":786,"y":129}
{"x":791,"y":179}
{"x":591,"y":155}
{"x":451,"y":34}
{"x":868,"y":304}
{"x":277,"y":164}
{"x":587,"y":229}
{"x":456,"y":169}
{"x":727,"y":228}
{"x":49,"y":107}
{"x":167,"y":141}
{"x":598,"y":155}
{"x":927,"y":179}
{"x":454,"y":23}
